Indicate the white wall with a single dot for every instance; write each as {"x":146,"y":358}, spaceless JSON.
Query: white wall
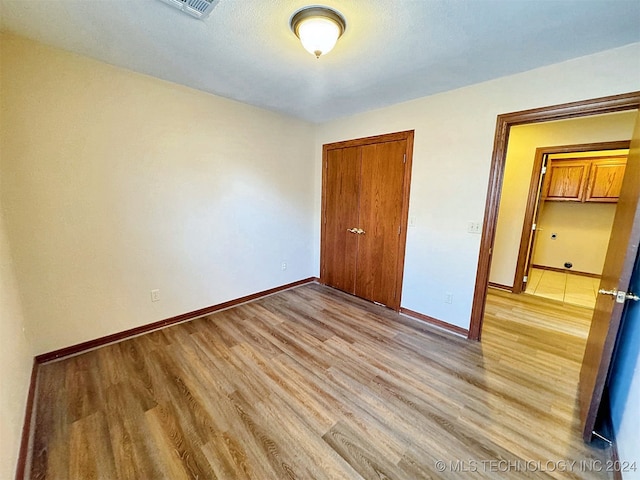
{"x":15,"y":361}
{"x":523,"y":141}
{"x":452,"y":154}
{"x":116,"y":183}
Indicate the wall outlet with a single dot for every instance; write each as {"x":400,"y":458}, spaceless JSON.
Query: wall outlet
{"x":474,"y":227}
{"x":155,"y":295}
{"x":448,"y":297}
{"x":284,"y":265}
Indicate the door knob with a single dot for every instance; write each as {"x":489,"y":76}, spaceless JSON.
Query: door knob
{"x":613,"y":293}
{"x":620,"y":296}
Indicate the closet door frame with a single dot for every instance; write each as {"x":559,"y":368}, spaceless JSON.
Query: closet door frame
{"x":406,"y":186}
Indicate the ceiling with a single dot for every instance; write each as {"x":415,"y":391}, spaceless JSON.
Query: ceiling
{"x":392,"y":50}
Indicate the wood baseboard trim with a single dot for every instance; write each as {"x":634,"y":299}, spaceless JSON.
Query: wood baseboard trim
{"x":435,"y":322}
{"x":23,"y":453}
{"x":566,"y":270}
{"x":499,"y":286}
{"x":117,"y":337}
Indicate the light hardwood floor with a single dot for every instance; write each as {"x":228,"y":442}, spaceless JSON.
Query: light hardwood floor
{"x":312,"y":383}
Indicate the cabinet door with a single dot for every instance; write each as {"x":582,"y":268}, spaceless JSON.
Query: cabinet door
{"x":605,"y":180}
{"x":566,"y":180}
{"x":381,"y":198}
{"x":340,"y":215}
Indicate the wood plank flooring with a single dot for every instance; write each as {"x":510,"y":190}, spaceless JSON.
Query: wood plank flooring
{"x":312,"y":383}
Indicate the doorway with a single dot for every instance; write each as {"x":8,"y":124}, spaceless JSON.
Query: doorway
{"x":621,"y":252}
{"x":564,"y":222}
{"x":505,"y":122}
{"x":576,"y":205}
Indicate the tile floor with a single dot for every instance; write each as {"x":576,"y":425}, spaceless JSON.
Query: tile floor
{"x":565,"y":287}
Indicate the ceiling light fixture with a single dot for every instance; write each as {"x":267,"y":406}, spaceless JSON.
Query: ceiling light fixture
{"x":318,"y":28}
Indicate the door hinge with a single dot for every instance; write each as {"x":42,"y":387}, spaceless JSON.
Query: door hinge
{"x":325,"y":220}
{"x":525,"y":279}
{"x":533,"y":227}
{"x":326,"y":164}
{"x":399,"y":229}
{"x":544,"y":170}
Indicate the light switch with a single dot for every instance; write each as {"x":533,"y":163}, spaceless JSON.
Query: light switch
{"x":474,"y":227}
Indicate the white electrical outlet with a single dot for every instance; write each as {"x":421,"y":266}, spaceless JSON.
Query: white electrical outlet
{"x":284,"y":265}
{"x":448,"y":297}
{"x":155,"y":295}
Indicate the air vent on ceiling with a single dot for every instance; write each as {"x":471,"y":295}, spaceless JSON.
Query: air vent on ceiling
{"x":195,"y":8}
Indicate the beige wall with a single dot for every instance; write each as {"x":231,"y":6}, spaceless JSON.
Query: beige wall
{"x":523,"y":141}
{"x":115,"y":183}
{"x":452,"y":154}
{"x":582,"y":235}
{"x":15,"y":361}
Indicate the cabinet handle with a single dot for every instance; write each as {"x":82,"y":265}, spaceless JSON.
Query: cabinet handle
{"x":360,"y":231}
{"x":352,"y":230}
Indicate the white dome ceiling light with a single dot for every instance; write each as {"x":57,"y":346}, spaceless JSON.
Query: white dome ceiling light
{"x":318,"y":28}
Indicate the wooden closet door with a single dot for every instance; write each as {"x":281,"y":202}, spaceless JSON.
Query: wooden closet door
{"x":340,"y":215}
{"x":381,"y":200}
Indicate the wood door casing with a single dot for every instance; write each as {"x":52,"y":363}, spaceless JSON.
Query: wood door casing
{"x":504,"y":123}
{"x":341,"y":209}
{"x":381,"y":188}
{"x":519,"y":282}
{"x":534,"y":198}
{"x":616,"y":275}
{"x":389,"y":266}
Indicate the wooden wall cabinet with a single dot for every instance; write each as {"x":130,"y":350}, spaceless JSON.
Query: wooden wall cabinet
{"x":605,"y":180}
{"x":592,"y":179}
{"x":566,"y":180}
